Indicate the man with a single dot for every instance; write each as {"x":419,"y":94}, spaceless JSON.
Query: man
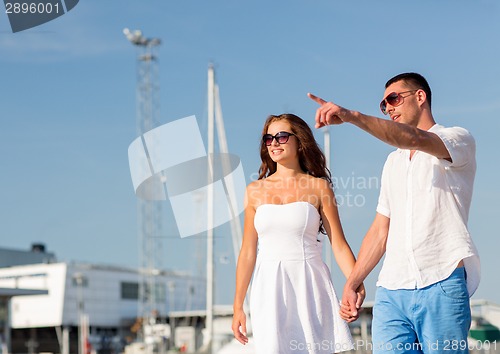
{"x":431,"y":266}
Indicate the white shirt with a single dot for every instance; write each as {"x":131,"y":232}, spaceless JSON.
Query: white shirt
{"x":427,"y":200}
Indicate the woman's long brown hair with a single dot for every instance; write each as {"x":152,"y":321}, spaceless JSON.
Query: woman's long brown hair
{"x":311,"y":159}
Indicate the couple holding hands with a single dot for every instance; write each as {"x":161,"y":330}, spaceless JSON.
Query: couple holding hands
{"x":431,"y":265}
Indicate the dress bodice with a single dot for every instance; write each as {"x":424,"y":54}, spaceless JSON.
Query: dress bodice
{"x":288,"y":231}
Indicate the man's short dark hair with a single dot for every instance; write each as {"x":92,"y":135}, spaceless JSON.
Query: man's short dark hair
{"x":413,"y":80}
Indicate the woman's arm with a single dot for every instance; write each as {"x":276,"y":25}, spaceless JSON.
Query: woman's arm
{"x":340,"y":247}
{"x":331,"y":222}
{"x":245,"y":267}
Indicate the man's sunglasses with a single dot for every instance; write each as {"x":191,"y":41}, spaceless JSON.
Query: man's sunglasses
{"x":394,"y":99}
{"x":281,"y":138}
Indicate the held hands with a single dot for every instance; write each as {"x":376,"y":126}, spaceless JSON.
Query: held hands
{"x":328,"y":112}
{"x":239,"y":326}
{"x":350,"y":306}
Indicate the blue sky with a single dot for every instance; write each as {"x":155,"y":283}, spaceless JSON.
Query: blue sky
{"x":68,"y":109}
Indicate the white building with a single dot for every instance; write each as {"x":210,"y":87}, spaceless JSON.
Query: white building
{"x":108,"y":295}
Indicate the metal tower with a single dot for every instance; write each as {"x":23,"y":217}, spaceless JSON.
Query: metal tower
{"x":151,"y":296}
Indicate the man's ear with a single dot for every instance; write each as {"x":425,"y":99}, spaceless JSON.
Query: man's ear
{"x":421,"y":96}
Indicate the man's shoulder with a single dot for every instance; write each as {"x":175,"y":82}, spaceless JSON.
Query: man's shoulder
{"x":460,"y":144}
{"x":453,"y":132}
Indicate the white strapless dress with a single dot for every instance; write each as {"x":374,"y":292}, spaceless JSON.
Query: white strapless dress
{"x":293,"y":305}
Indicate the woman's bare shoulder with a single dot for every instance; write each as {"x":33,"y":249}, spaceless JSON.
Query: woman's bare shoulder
{"x":256,"y":185}
{"x":255,"y":192}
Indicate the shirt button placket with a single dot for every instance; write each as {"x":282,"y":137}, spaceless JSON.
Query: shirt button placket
{"x":409,"y":223}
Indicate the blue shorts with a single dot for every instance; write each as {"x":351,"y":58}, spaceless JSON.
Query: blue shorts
{"x":433,"y":319}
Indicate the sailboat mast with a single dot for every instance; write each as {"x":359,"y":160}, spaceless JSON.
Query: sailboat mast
{"x":236,"y":230}
{"x":210,"y":209}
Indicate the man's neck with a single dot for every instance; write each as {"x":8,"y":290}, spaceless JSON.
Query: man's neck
{"x":426,"y":121}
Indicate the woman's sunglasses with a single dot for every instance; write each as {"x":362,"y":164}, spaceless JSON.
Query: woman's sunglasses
{"x":281,"y":138}
{"x":394,"y":99}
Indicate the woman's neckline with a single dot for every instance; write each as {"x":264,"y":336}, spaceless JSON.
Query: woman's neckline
{"x":289,"y":203}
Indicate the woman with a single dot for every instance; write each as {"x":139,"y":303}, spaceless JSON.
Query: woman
{"x":293,"y":305}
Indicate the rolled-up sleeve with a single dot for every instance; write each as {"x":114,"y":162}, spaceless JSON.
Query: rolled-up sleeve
{"x":459,"y":143}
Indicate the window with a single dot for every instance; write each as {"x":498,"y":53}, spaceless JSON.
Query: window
{"x":129,"y":291}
